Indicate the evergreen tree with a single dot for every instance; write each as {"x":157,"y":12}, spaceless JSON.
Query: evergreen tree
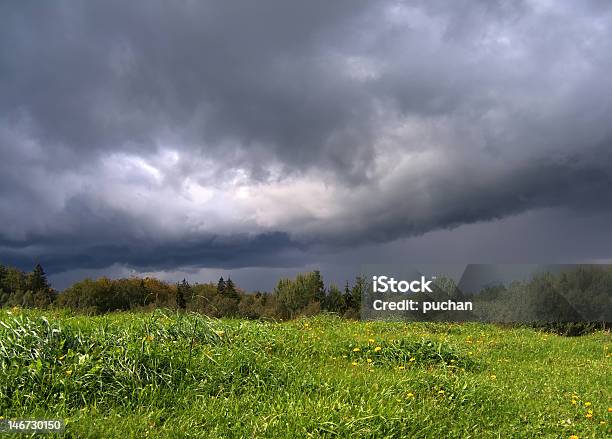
{"x":334,"y":300}
{"x":181,"y":292}
{"x":319,"y":293}
{"x":38,"y":279}
{"x":221,"y":286}
{"x":230,"y":289}
{"x":348,"y":297}
{"x":360,"y":289}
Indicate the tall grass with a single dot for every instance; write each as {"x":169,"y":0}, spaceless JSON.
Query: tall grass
{"x":165,"y":374}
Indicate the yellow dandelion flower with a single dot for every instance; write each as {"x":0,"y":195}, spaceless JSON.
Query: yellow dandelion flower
{"x":493,"y":377}
{"x":412,"y":360}
{"x":609,"y":409}
{"x":356,"y":350}
{"x":401,"y":367}
{"x":587,"y":404}
{"x":574,"y":401}
{"x":441,"y":392}
{"x":588,"y":415}
{"x":410,"y":395}
{"x":574,"y":437}
{"x":354,"y":363}
{"x":377,"y":349}
{"x":370,"y":340}
{"x":369,"y":360}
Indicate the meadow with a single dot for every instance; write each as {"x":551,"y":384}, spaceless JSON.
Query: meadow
{"x":168,"y":374}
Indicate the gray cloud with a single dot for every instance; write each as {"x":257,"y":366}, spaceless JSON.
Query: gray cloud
{"x":211,"y":134}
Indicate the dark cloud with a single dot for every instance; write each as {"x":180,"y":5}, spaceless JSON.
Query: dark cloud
{"x":266,"y":249}
{"x":212,"y":134}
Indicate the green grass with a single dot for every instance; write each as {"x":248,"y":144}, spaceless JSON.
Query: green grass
{"x":168,"y":375}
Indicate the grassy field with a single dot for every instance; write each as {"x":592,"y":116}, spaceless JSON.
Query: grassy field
{"x":168,"y":375}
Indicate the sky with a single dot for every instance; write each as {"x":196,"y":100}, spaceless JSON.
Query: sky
{"x":261,"y":139}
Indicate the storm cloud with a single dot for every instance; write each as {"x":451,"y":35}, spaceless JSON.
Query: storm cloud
{"x":161,"y":135}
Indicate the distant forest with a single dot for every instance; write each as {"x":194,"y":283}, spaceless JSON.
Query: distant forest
{"x":304,"y":295}
{"x":581,"y":294}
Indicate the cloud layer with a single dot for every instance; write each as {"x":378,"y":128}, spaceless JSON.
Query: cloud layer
{"x":212,"y":134}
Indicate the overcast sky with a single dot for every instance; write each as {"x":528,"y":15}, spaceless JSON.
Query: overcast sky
{"x":260,"y":139}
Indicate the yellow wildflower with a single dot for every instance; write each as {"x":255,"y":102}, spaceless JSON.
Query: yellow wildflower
{"x":587,"y":404}
{"x":377,"y":349}
{"x":410,"y":395}
{"x":356,"y":350}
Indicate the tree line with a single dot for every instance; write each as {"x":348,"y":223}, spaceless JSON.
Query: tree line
{"x":581,"y":294}
{"x":306,"y":294}
{"x":25,"y":289}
